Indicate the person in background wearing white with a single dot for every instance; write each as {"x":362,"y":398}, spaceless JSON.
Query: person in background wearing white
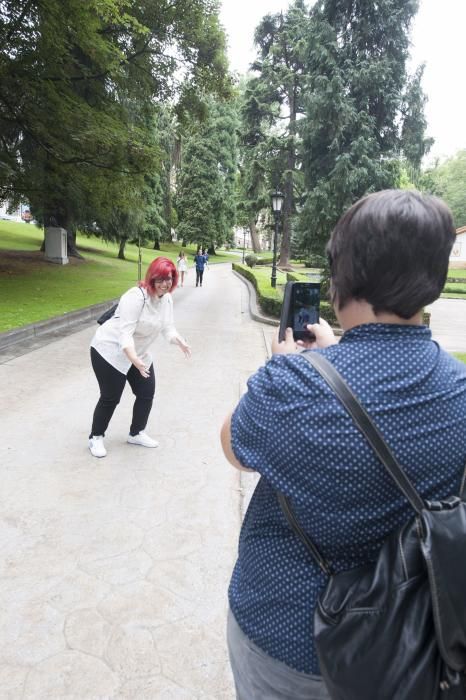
{"x":182,"y":266}
{"x":120,"y":352}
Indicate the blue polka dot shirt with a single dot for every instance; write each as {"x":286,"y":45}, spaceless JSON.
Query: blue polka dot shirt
{"x":291,"y":429}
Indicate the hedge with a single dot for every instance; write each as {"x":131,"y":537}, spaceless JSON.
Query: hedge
{"x":451,"y":288}
{"x":268,"y":298}
{"x":272,"y":305}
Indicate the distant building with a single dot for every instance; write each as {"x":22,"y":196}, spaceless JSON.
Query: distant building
{"x":458,"y":253}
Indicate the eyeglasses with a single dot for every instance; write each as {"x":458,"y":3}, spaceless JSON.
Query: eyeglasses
{"x":163,"y":280}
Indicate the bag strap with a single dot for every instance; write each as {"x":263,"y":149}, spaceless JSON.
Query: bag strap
{"x":362,"y":420}
{"x":143,"y":303}
{"x":144,"y":297}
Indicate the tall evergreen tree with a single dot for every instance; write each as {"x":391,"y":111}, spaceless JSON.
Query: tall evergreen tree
{"x":361,"y":110}
{"x":414,"y":144}
{"x":274,"y":97}
{"x":205,"y":200}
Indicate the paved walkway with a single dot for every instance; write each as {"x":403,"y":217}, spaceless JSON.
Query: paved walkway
{"x":448,"y":323}
{"x":114,"y":572}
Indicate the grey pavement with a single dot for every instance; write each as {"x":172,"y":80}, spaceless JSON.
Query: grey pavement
{"x":448,"y":323}
{"x":114,"y":572}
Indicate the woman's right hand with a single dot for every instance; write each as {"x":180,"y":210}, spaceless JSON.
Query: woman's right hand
{"x":143,"y":370}
{"x":324,"y":335}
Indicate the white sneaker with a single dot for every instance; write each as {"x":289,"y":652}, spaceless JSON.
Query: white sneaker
{"x":97,"y":447}
{"x":142,"y":439}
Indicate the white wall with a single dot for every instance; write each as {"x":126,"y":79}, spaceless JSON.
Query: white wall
{"x":458,"y":254}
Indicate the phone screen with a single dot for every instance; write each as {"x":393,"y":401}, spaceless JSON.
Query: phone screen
{"x":301,"y":301}
{"x":305,"y":308}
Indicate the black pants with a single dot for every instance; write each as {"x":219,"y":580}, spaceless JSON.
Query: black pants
{"x":111,"y":383}
{"x":199,"y":276}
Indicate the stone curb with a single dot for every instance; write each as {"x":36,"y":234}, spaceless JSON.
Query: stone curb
{"x":67,"y":320}
{"x":254,"y":310}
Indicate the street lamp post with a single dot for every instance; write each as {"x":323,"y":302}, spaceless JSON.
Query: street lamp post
{"x":277,"y":202}
{"x":139,"y":259}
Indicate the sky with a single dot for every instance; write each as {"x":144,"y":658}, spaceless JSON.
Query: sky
{"x":438,"y":38}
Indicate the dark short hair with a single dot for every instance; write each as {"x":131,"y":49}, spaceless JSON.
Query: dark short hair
{"x":391,"y":249}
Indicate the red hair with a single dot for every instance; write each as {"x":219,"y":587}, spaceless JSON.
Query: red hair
{"x":160,"y":268}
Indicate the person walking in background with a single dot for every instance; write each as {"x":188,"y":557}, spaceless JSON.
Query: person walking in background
{"x":206,"y":258}
{"x":120,"y":352}
{"x":199,"y":261}
{"x":182,"y":267}
{"x":388,"y":258}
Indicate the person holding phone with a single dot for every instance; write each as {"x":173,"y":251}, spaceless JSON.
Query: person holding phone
{"x":388,"y":258}
{"x":120,"y":352}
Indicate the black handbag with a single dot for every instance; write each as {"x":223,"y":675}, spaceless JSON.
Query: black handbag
{"x":107,"y":314}
{"x":394,"y":629}
{"x":111,"y":311}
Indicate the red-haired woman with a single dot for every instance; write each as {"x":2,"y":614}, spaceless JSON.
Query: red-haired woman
{"x":120,"y":352}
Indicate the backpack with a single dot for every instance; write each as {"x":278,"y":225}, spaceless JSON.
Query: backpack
{"x":394,"y":629}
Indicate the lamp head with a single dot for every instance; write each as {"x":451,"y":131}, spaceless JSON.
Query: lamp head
{"x":277,"y":201}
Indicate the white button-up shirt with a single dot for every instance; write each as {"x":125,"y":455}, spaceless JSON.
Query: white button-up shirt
{"x":138,"y":320}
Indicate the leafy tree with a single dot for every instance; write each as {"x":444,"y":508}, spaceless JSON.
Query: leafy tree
{"x":77,"y":90}
{"x":272,"y":108}
{"x":252,"y":185}
{"x":363,"y":112}
{"x":448,"y":181}
{"x":414,"y":144}
{"x":206,"y":181}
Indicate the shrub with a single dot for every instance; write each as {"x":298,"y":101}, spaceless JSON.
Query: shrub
{"x":269,"y":299}
{"x":452,"y":288}
{"x":250,"y":259}
{"x":265,"y":260}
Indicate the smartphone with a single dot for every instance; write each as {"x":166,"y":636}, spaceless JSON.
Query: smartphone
{"x":301,"y":302}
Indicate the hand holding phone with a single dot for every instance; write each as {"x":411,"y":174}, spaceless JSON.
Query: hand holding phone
{"x":301,"y":302}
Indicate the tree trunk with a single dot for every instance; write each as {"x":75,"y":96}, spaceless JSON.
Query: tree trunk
{"x":59,"y":218}
{"x":156,"y":243}
{"x":286,"y":219}
{"x":256,"y":244}
{"x":121,"y":250}
{"x":71,"y":243}
{"x":288,"y":203}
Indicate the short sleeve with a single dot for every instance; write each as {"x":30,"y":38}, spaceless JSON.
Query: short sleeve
{"x":256,"y":414}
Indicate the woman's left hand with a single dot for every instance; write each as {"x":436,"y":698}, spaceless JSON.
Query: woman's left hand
{"x":184,"y":347}
{"x":285,"y":347}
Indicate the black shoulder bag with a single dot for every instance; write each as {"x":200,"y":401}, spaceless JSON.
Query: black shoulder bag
{"x":394,"y":629}
{"x":111,"y":311}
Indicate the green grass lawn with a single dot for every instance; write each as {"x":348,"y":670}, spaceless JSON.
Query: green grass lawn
{"x":461,"y":356}
{"x":32,"y":289}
